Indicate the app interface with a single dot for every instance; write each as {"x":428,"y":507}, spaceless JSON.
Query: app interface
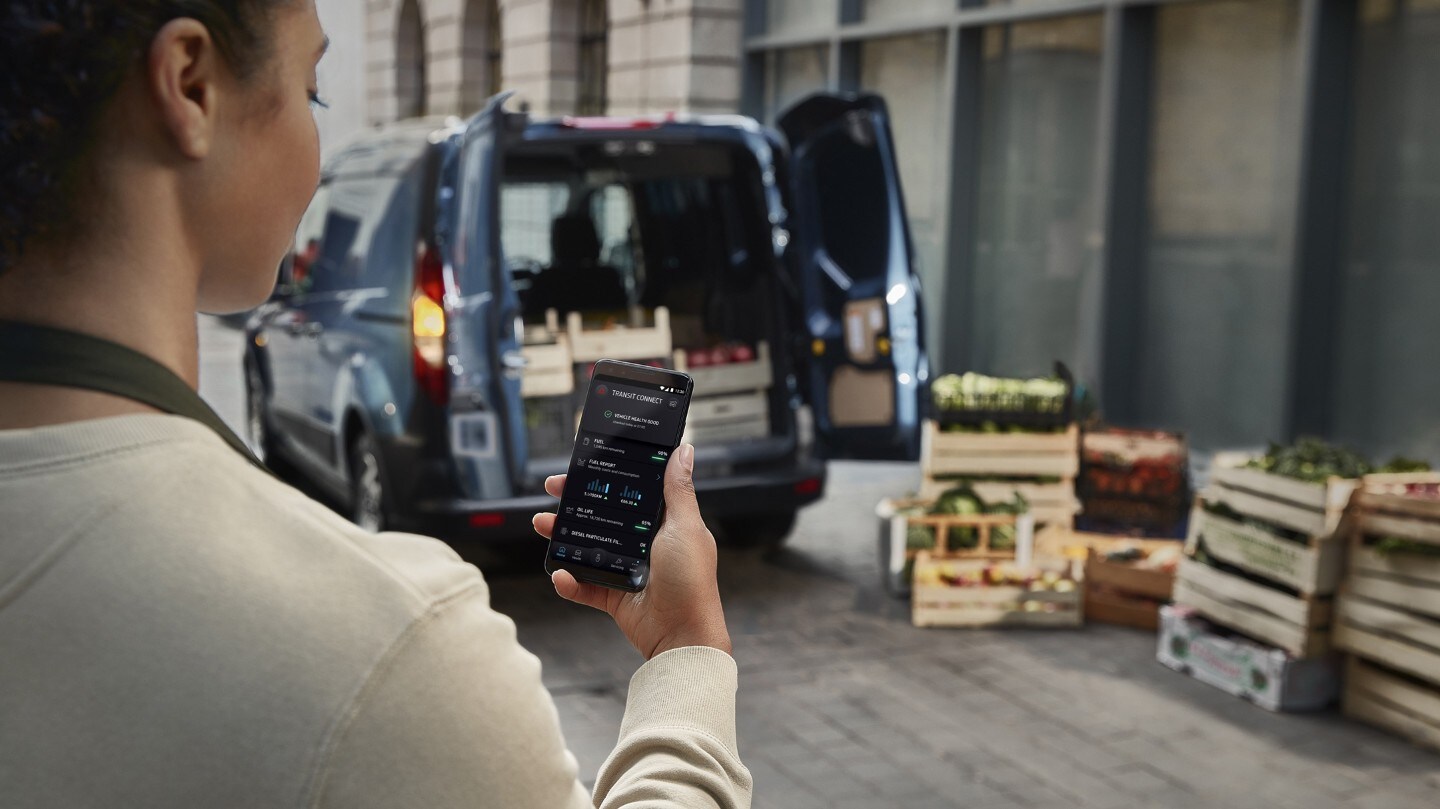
{"x":611,"y":504}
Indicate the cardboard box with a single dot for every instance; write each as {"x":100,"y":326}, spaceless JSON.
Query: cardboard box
{"x":1264,"y":675}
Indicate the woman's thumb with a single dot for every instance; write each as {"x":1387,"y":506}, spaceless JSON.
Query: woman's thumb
{"x":680,"y":500}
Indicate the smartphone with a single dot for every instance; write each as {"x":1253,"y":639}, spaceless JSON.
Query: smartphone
{"x":613,"y":501}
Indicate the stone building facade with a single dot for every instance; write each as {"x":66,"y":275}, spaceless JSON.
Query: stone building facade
{"x":561,"y":57}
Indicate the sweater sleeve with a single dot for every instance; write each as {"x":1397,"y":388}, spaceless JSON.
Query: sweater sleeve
{"x":677,"y":740}
{"x":456,"y":715}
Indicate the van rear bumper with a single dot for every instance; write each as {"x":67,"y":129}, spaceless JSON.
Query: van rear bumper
{"x":772,"y":490}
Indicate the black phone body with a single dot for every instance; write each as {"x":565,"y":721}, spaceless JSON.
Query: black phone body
{"x":613,"y":500}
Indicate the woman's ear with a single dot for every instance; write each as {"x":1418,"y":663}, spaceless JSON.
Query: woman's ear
{"x":183,"y":73}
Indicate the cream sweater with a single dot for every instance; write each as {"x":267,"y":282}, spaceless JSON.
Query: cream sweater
{"x":177,"y":629}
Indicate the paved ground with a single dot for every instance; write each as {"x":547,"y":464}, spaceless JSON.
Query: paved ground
{"x":844,"y":704}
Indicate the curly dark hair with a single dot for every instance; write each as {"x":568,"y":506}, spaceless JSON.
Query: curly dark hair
{"x":61,"y":62}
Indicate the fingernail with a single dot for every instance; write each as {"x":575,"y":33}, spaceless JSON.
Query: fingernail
{"x":687,"y":458}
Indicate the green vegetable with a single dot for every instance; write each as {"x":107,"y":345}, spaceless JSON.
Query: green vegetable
{"x":1312,"y":460}
{"x":1400,"y":464}
{"x":974,"y":392}
{"x":919,"y":537}
{"x":959,"y":500}
{"x":1389,"y":545}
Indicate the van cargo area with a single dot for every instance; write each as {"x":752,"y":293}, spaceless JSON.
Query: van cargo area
{"x":648,"y":251}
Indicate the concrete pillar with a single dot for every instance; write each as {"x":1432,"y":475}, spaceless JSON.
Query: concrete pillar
{"x":675,"y":56}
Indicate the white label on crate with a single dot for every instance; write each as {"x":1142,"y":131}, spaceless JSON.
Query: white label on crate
{"x":472,"y":435}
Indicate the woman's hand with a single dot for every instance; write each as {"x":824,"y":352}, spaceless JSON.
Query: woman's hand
{"x":680,"y":606}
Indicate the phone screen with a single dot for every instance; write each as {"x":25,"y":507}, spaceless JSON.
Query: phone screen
{"x":612,"y":503}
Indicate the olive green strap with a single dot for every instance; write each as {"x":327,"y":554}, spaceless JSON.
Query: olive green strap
{"x":48,"y":356}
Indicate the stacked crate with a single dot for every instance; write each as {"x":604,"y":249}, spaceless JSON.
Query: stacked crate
{"x":548,"y":388}
{"x":1134,"y":482}
{"x":1275,"y":571}
{"x":985,"y":587}
{"x":632,"y":342}
{"x":731,"y":401}
{"x":1127,"y":593}
{"x":990,"y":460}
{"x":1389,"y":610}
{"x":549,"y":362}
{"x":559,"y":361}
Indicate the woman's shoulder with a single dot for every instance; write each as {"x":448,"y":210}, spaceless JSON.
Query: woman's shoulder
{"x":169,"y":490}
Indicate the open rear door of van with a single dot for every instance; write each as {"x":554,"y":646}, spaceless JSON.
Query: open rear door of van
{"x":854,"y":264}
{"x":487,"y":424}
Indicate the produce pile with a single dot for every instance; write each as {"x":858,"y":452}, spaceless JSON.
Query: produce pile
{"x":722,"y":354}
{"x":1388,"y":545}
{"x":1315,"y":461}
{"x":996,"y":404}
{"x":955,"y":573}
{"x":1166,"y":560}
{"x":1134,"y":482}
{"x":997,"y":574}
{"x":962,"y":500}
{"x":1158,"y":478}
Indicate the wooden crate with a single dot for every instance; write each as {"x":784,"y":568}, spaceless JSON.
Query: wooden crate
{"x":1000,"y":454}
{"x":549,"y":369}
{"x":1298,"y":624}
{"x":1309,"y":508}
{"x":976,"y":456}
{"x":1393,"y":702}
{"x":1050,"y":503}
{"x":985,"y":524}
{"x":991,"y":605}
{"x":620,"y":342}
{"x":1125,"y":593}
{"x":1312,"y":566}
{"x":1106,"y":606}
{"x":1389,"y":610}
{"x":549,"y":362}
{"x":734,"y":377}
{"x":733,"y":417}
{"x":897,"y":557}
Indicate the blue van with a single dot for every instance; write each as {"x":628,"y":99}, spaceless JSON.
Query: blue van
{"x":427,"y":346}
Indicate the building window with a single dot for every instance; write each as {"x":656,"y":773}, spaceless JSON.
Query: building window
{"x":1390,"y":280}
{"x":790,"y":75}
{"x":1215,"y":300}
{"x":903,"y":71}
{"x":594,"y":57}
{"x":784,"y":16}
{"x":410,"y":84}
{"x":1034,"y":262}
{"x":480,"y":66}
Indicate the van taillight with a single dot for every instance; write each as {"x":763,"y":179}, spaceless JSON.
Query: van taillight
{"x":427,"y":312}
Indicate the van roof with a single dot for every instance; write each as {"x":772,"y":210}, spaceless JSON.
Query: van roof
{"x":389,"y":146}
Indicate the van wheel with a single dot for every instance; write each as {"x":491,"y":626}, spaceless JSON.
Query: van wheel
{"x":257,"y":421}
{"x":367,"y":485}
{"x":767,"y":531}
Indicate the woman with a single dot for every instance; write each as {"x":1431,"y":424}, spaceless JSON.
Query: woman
{"x":178,"y":628}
